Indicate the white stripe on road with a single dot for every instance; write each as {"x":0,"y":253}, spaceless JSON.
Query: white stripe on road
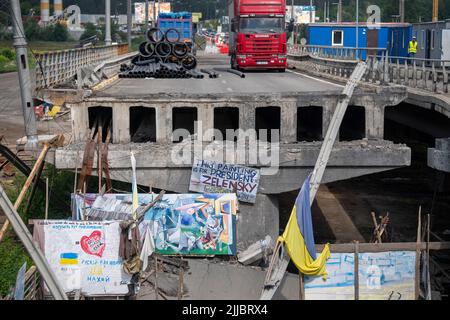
{"x":316,"y":79}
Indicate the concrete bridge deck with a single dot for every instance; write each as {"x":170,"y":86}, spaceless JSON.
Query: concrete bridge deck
{"x":227,"y":83}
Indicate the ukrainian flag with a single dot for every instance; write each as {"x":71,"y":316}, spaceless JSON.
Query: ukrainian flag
{"x":299,"y":238}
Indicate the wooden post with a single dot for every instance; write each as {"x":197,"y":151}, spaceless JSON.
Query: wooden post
{"x":377,"y":230}
{"x":301,"y":285}
{"x":156,"y":277}
{"x":418,"y":251}
{"x":356,"y":271}
{"x":46,"y":199}
{"x":99,"y":156}
{"x":181,"y":281}
{"x":428,"y":296}
{"x":26,"y":186}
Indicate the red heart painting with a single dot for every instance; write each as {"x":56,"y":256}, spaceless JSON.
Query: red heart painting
{"x":93,"y":244}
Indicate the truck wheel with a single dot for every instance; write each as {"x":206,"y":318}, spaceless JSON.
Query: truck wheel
{"x":282,"y":70}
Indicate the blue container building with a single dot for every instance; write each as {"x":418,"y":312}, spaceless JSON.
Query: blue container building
{"x":393,"y":37}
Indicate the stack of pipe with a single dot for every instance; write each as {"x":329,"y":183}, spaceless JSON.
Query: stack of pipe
{"x":162,"y":56}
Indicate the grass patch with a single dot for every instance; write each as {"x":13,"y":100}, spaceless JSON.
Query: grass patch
{"x":9,"y":65}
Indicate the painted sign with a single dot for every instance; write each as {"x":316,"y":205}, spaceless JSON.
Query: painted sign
{"x":188,"y":224}
{"x":139,"y":10}
{"x":210,"y":176}
{"x":84,"y":256}
{"x":382,"y":276}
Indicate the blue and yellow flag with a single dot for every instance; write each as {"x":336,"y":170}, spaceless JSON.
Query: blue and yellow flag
{"x":299,"y":238}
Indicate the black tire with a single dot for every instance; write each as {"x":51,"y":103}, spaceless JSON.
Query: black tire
{"x":180,"y":49}
{"x":155,"y":35}
{"x":163,"y":49}
{"x":282,"y":70}
{"x":168,"y":36}
{"x":189,"y":62}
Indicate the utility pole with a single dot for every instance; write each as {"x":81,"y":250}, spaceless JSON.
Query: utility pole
{"x":108,"y":41}
{"x":154,"y":14}
{"x":146,"y":14}
{"x":129,"y":24}
{"x":20,"y":45}
{"x":357,"y":29}
{"x":435,"y":10}
{"x":339,"y":13}
{"x":310,"y":11}
{"x":401,"y":6}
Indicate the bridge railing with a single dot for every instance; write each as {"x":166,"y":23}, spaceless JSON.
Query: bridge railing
{"x":426,"y":74}
{"x":57,"y":67}
{"x":334,"y":52}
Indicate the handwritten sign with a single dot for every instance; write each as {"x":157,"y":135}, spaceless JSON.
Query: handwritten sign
{"x":213,"y":177}
{"x":85,"y":256}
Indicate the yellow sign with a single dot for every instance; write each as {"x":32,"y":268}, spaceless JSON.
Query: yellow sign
{"x":196,"y":17}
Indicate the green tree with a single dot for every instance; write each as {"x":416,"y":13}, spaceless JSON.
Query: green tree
{"x":60,"y":33}
{"x":90,"y":31}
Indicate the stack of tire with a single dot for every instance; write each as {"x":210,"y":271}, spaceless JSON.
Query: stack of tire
{"x":162,"y":56}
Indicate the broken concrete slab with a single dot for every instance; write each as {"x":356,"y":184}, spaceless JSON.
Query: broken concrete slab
{"x":439,"y":157}
{"x":257,"y":252}
{"x":224,"y":281}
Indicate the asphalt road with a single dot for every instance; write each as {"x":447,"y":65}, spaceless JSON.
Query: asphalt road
{"x":256,"y":82}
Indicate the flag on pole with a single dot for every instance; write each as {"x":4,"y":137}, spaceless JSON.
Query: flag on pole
{"x":135,"y":202}
{"x":299,"y":238}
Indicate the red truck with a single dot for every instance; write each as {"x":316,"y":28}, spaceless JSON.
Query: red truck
{"x":258,"y":34}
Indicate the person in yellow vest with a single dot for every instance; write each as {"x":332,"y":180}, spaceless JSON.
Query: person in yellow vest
{"x":412,"y":48}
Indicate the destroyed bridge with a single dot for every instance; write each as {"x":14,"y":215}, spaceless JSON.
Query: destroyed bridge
{"x":140,"y":115}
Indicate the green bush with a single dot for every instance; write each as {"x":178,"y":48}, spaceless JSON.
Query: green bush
{"x":3,"y":59}
{"x":13,"y":256}
{"x":8,"y":53}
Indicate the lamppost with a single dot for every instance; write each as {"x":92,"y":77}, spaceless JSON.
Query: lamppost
{"x":357,"y":28}
{"x":108,"y":22}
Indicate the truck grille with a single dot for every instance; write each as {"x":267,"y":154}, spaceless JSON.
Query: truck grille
{"x":262,"y":45}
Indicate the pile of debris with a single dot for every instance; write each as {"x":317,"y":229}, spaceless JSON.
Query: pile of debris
{"x":162,"y":56}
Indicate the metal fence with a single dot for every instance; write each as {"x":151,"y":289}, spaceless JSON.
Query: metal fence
{"x":426,"y":74}
{"x":57,"y":67}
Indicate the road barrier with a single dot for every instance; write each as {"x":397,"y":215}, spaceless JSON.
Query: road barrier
{"x":57,"y":67}
{"x":425,"y":74}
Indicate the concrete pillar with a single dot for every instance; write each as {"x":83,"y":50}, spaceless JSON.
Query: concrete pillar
{"x":247,"y":117}
{"x":374,"y":122}
{"x":258,"y":220}
{"x":121,"y":124}
{"x":80,"y":123}
{"x":163,"y":124}
{"x":58,"y":7}
{"x":289,"y":123}
{"x":439,"y":157}
{"x":206,"y":117}
{"x":45,"y":11}
{"x":108,"y":22}
{"x":328,"y":111}
{"x":20,"y":46}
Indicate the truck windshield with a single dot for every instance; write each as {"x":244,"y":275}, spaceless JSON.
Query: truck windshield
{"x":261,"y":25}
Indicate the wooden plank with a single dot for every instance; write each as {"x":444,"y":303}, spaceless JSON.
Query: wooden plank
{"x":384,"y":247}
{"x":356,"y":271}
{"x":418,"y":251}
{"x":377,"y":230}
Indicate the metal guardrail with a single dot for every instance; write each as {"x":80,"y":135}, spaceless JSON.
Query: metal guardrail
{"x":426,"y":74}
{"x":332,"y":52}
{"x":57,"y":67}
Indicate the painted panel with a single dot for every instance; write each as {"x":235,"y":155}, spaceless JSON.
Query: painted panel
{"x":84,"y":256}
{"x":382,"y":276}
{"x":187,"y":224}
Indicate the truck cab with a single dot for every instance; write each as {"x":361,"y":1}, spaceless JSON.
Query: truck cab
{"x":258,"y":34}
